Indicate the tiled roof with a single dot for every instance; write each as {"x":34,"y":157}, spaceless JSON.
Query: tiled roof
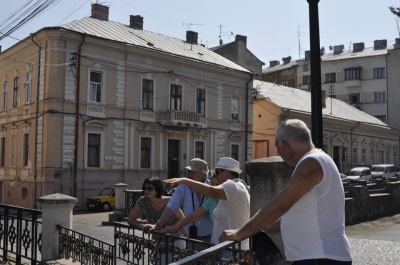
{"x":300,"y":100}
{"x":118,"y":32}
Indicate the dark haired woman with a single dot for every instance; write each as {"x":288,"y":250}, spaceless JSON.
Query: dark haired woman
{"x":151,"y":205}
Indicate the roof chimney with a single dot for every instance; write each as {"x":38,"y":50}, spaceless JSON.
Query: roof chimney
{"x":396,"y":44}
{"x":286,"y":60}
{"x":241,"y":38}
{"x":380,"y":44}
{"x":100,"y":12}
{"x":136,"y":22}
{"x":338,"y":48}
{"x":307,"y":55}
{"x":358,"y":47}
{"x":273,"y":63}
{"x":191,"y":37}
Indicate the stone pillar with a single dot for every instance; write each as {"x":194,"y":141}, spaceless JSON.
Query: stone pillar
{"x":119,"y":211}
{"x":56,"y":210}
{"x":268,"y":176}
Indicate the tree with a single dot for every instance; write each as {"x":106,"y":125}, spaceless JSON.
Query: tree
{"x":396,"y":11}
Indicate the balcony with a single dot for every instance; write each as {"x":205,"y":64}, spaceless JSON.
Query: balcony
{"x":352,"y":83}
{"x":183,"y":119}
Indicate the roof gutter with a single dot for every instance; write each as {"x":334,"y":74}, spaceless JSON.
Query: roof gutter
{"x":247,"y":114}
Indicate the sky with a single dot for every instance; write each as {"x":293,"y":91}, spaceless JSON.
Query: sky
{"x":274,"y":29}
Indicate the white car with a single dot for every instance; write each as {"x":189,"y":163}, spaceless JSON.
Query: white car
{"x":384,"y":171}
{"x":359,"y":173}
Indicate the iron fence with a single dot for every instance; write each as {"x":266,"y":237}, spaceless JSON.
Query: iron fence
{"x":20,"y":235}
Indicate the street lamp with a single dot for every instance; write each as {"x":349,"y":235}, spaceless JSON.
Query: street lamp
{"x":315,"y":61}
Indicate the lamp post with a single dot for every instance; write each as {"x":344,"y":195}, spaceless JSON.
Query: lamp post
{"x":315,"y":61}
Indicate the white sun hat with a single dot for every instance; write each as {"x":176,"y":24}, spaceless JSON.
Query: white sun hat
{"x":228,"y":163}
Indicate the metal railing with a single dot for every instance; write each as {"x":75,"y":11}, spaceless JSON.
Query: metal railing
{"x":20,"y":235}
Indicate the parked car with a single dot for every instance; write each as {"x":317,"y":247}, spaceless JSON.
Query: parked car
{"x":105,"y":200}
{"x":359,"y":173}
{"x":384,"y":171}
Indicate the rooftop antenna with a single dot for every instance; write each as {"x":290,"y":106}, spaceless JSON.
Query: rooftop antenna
{"x":298,"y":36}
{"x":188,"y":25}
{"x":222,"y":33}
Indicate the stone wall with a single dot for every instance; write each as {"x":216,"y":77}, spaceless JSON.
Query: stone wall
{"x":268,"y":176}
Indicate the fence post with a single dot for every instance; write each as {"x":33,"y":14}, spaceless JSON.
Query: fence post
{"x":119,"y":211}
{"x":56,"y":210}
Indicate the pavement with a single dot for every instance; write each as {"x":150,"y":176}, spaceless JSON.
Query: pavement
{"x":372,"y":242}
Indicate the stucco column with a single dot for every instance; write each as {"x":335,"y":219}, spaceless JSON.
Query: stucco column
{"x":119,"y":211}
{"x":56,"y":210}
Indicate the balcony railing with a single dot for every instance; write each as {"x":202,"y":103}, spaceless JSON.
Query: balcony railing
{"x":183,"y":119}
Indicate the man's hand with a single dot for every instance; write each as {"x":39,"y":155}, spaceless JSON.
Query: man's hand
{"x":229,"y":235}
{"x":174,"y":182}
{"x":170,"y":229}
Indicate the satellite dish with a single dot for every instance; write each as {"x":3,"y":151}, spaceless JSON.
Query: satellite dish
{"x":330,"y":47}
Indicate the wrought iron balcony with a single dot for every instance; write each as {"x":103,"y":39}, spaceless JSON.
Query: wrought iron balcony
{"x":183,"y":119}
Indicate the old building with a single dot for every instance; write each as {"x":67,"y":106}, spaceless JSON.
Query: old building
{"x":94,"y":102}
{"x":366,"y":78}
{"x":281,"y":74}
{"x":350,"y":136}
{"x":237,"y":52}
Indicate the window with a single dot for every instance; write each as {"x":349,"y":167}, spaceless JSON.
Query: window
{"x":306,"y":80}
{"x":372,"y":157}
{"x":176,"y":97}
{"x":395,"y":158}
{"x":24,"y":193}
{"x":380,"y":96}
{"x":330,"y":78}
{"x":284,"y":82}
{"x":363,"y":156}
{"x":235,"y":108}
{"x":199,"y":150}
{"x":13,"y":153}
{"x":26,"y":150}
{"x":145,"y":152}
{"x":354,"y":98}
{"x":379,"y":72}
{"x":93,"y":153}
{"x":28,"y":87}
{"x":352,"y":74}
{"x":15,"y":92}
{"x":2,"y":151}
{"x":235,"y":151}
{"x":96,"y":86}
{"x":147,"y":94}
{"x":387,"y":159}
{"x":201,"y":101}
{"x":4,"y":103}
{"x":354,"y":159}
{"x":344,"y":154}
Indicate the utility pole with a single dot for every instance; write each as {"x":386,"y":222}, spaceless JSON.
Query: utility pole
{"x":331,"y":91}
{"x":315,"y":61}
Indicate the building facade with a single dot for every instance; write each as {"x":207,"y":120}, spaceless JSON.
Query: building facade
{"x":350,"y":136}
{"x":93,"y":102}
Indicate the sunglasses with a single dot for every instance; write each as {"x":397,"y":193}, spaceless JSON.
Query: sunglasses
{"x":217,"y":171}
{"x":148,"y":188}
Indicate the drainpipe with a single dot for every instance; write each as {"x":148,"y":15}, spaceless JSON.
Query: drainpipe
{"x":247,"y":116}
{"x":36,"y":123}
{"x":78,"y":78}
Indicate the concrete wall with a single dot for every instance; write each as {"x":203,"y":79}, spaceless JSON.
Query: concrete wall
{"x":268,"y":176}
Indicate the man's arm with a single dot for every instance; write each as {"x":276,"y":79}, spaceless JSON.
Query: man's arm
{"x":191,"y":218}
{"x":305,"y":177}
{"x":205,"y":189}
{"x":166,"y":214}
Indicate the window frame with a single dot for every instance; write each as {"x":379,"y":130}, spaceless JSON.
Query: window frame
{"x":237,"y":153}
{"x":379,"y":96}
{"x":147,"y":94}
{"x":93,"y":95}
{"x":306,"y":79}
{"x":15,"y":92}
{"x":25,"y":151}
{"x":28,"y":87}
{"x":148,"y":152}
{"x":199,"y":153}
{"x":235,"y":108}
{"x":90,"y":148}
{"x":201,"y":101}
{"x":175,"y":95}
{"x":329,"y":79}
{"x":5,"y":95}
{"x":2,"y":151}
{"x":353,"y":73}
{"x":379,"y":72}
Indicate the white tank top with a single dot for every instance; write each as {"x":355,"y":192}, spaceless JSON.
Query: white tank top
{"x":313,"y":228}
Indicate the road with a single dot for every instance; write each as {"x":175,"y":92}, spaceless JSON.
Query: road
{"x":373,"y":242}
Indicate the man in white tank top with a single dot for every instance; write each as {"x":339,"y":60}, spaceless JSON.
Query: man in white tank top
{"x":310,"y":210}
